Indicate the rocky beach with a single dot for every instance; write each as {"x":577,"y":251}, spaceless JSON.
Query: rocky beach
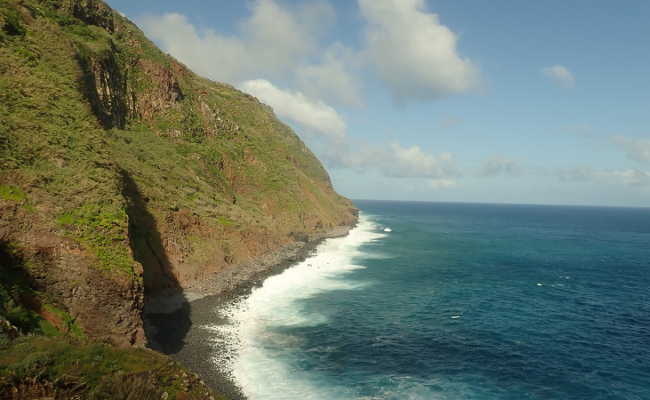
{"x":175,"y":322}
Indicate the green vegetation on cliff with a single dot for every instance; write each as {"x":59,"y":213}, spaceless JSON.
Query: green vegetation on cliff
{"x":40,"y":367}
{"x":124,"y":174}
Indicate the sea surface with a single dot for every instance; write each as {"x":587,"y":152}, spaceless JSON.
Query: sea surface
{"x":459,"y":301}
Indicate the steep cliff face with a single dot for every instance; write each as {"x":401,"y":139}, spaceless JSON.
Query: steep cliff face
{"x":123,"y":174}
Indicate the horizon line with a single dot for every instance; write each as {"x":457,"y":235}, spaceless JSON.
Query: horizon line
{"x":505,"y":203}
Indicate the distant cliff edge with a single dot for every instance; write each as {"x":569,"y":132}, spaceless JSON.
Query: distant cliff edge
{"x":123,"y":174}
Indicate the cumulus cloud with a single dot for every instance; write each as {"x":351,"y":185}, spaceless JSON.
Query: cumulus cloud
{"x":635,"y":149}
{"x":311,"y":114}
{"x":629,"y":177}
{"x":333,"y":78}
{"x":396,"y":161}
{"x":269,"y":43}
{"x":500,"y":166}
{"x":560,"y":75}
{"x":413,"y":53}
{"x":412,"y":162}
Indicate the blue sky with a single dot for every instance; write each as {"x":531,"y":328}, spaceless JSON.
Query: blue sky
{"x":475,"y":101}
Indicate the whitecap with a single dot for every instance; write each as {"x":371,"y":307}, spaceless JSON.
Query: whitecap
{"x":251,"y":338}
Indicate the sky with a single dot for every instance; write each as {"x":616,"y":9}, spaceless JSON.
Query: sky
{"x":439,"y":100}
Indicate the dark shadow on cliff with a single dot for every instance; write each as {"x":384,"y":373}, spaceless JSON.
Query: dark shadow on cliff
{"x":20,"y":305}
{"x":166,"y":312}
{"x":104,"y":85}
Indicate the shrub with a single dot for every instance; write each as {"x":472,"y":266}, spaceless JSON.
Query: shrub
{"x":13,"y":23}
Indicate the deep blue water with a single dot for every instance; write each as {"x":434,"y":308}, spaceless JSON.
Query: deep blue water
{"x":475,"y":301}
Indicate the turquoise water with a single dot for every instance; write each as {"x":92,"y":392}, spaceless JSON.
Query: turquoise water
{"x":459,"y":301}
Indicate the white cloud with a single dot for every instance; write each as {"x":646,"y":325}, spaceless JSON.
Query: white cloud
{"x":218,"y":57}
{"x":332,"y":78}
{"x":560,"y":75}
{"x":412,"y":162}
{"x":629,"y":177}
{"x":396,"y":161}
{"x":635,"y":149}
{"x":442,"y":183}
{"x":500,"y":165}
{"x":413,"y":53}
{"x":311,"y":114}
{"x":271,"y":42}
{"x":277,"y":35}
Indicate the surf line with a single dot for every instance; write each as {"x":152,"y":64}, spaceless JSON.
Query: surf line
{"x":253,"y":345}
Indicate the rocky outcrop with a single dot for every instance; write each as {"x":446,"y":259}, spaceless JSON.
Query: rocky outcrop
{"x":106,"y":306}
{"x":93,"y":12}
{"x":164,"y":94}
{"x":106,"y":86}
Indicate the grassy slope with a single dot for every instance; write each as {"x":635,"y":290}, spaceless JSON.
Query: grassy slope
{"x":40,"y":367}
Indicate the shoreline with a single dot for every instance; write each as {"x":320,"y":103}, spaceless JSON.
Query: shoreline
{"x":199,"y":305}
{"x":239,"y":279}
{"x":231,"y":281}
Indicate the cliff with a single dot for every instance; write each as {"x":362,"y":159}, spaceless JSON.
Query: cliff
{"x":125,"y":175}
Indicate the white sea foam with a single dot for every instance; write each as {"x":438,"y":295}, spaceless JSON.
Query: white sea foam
{"x":255,"y":346}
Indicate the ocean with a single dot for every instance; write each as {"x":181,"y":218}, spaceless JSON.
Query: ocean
{"x":458,"y":301}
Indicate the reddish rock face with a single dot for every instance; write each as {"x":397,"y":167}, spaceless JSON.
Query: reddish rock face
{"x":92,"y":12}
{"x":105,"y":305}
